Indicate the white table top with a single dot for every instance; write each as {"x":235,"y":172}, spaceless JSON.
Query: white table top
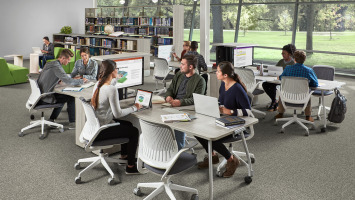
{"x":238,"y":45}
{"x":120,"y":56}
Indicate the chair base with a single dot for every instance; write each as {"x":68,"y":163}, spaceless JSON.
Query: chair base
{"x":294,"y":119}
{"x":166,"y":185}
{"x":259,"y":112}
{"x":101,"y":159}
{"x":41,"y":123}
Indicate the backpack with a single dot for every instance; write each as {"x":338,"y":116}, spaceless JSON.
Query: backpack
{"x":338,"y":108}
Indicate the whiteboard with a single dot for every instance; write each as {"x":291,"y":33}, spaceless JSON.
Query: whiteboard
{"x":164,"y":51}
{"x":243,"y":56}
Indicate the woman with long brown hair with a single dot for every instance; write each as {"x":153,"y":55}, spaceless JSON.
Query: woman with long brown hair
{"x":105,"y":102}
{"x":233,"y":100}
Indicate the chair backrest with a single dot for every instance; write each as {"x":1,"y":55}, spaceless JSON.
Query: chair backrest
{"x":161,"y":68}
{"x":324,"y":72}
{"x":157,"y":144}
{"x":92,"y":124}
{"x":5,"y":74}
{"x":294,"y":89}
{"x":35,"y":93}
{"x":247,"y":77}
{"x":57,"y":51}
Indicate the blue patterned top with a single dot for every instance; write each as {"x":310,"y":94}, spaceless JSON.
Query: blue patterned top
{"x":88,"y":71}
{"x":300,"y":70}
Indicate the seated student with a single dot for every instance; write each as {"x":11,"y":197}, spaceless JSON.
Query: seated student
{"x":299,"y":70}
{"x":184,"y":83}
{"x":233,"y":100}
{"x":186,"y":48}
{"x":270,"y":88}
{"x":48,"y":79}
{"x":85,"y":67}
{"x":201,"y":66}
{"x":105,"y":101}
{"x":48,"y":52}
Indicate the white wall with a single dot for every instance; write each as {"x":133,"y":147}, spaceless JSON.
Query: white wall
{"x":25,"y":22}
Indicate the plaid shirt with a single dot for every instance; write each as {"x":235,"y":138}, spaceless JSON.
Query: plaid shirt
{"x":300,"y":70}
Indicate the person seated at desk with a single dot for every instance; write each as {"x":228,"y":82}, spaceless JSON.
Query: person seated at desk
{"x":48,"y":79}
{"x":48,"y":52}
{"x":85,"y":67}
{"x":186,"y":48}
{"x":299,"y":70}
{"x":184,"y":83}
{"x":270,"y":88}
{"x":233,"y":100}
{"x":201,"y":66}
{"x":105,"y":101}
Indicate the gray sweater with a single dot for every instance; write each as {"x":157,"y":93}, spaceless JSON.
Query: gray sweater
{"x":49,"y":77}
{"x":49,"y":48}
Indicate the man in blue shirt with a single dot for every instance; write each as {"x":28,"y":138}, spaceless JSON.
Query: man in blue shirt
{"x":299,"y":70}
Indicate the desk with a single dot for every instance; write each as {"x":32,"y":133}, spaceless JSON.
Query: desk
{"x":203,"y":126}
{"x":18,"y":59}
{"x":323,"y":85}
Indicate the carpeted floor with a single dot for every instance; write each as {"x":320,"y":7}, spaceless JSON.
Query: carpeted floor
{"x":288,"y":166}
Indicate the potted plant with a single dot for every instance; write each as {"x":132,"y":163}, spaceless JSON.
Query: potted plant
{"x":66,"y":30}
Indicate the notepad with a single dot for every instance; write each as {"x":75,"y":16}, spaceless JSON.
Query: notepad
{"x":72,"y":89}
{"x":183,"y":117}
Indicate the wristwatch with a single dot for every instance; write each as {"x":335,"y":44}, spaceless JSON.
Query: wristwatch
{"x":232,"y":111}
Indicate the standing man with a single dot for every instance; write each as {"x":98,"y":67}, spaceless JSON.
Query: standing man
{"x":48,"y":52}
{"x":48,"y":79}
{"x":184,"y":83}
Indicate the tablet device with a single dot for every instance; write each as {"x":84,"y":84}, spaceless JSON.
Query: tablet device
{"x":144,"y":98}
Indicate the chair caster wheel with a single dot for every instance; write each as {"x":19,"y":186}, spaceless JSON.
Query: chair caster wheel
{"x":282,"y":130}
{"x":32,"y":117}
{"x":219,"y":173}
{"x":252,"y":160}
{"x":322,"y":130}
{"x":137,"y":191}
{"x":77,"y":166}
{"x":78,"y":180}
{"x":41,"y":137}
{"x":61,"y":130}
{"x":111,"y":181}
{"x":307,"y":133}
{"x":20,"y":134}
{"x":194,"y":197}
{"x":248,"y":179}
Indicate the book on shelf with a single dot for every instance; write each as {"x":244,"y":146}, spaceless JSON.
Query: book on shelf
{"x":181,"y":117}
{"x":230,"y":120}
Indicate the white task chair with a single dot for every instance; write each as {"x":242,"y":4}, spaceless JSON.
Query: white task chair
{"x":161,"y":73}
{"x":326,"y":73}
{"x":34,"y":103}
{"x":88,"y":137}
{"x":248,"y":78}
{"x":294,"y":94}
{"x":159,"y":152}
{"x":239,"y":135}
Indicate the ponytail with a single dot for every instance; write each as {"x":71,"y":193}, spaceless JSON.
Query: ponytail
{"x":238,"y":80}
{"x":227,"y":68}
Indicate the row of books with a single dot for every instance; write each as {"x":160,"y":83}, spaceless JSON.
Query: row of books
{"x":165,"y":41}
{"x":131,"y":21}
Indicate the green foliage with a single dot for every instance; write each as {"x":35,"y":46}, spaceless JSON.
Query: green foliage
{"x":66,"y":30}
{"x":285,"y":21}
{"x":330,"y":18}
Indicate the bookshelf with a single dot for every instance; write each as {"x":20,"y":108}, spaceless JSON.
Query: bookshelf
{"x":163,"y":25}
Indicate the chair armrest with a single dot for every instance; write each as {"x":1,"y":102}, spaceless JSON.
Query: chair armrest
{"x":39,"y":98}
{"x":88,"y":145}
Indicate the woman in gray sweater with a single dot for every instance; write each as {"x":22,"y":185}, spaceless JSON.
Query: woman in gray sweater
{"x":107,"y":107}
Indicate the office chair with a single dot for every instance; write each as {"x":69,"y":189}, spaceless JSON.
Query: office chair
{"x":159,"y":153}
{"x":239,"y":135}
{"x":248,"y":78}
{"x":88,"y":137}
{"x":294,"y":94}
{"x":34,"y":103}
{"x":326,"y":73}
{"x":161,"y":73}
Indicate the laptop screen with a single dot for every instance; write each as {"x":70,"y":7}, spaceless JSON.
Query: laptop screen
{"x":144,"y":97}
{"x":206,"y":105}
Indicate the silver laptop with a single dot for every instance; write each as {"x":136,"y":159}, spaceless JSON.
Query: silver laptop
{"x":274,"y":70}
{"x":37,"y":50}
{"x":206,"y":105}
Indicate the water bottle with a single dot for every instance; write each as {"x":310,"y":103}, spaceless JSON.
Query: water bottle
{"x":261,"y":69}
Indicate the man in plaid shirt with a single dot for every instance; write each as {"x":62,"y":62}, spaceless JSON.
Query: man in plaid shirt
{"x":299,"y":70}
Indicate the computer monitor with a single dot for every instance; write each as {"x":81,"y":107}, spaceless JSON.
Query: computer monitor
{"x":130,"y":72}
{"x":243,"y":56}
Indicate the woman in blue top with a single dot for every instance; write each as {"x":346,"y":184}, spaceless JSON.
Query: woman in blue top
{"x":233,"y":100}
{"x":85,"y":67}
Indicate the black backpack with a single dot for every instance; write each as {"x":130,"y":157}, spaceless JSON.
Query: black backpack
{"x":338,"y":109}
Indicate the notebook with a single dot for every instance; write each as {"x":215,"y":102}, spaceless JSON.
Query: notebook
{"x":206,"y":105}
{"x":144,"y":98}
{"x":230,"y":120}
{"x":37,"y":50}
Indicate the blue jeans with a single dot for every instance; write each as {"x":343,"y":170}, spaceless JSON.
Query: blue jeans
{"x":180,"y":139}
{"x":62,"y":98}
{"x":44,"y":59}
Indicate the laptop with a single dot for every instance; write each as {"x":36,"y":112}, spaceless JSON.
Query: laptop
{"x":37,"y":50}
{"x":144,"y":98}
{"x":206,"y":105}
{"x":274,"y":70}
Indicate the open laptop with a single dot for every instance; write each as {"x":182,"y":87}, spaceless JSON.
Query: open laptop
{"x":37,"y":50}
{"x":144,"y":97}
{"x":274,"y":70}
{"x":206,"y":105}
